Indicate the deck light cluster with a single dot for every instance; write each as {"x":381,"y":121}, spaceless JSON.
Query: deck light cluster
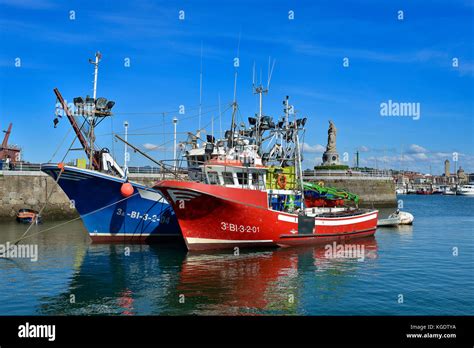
{"x":101,"y":106}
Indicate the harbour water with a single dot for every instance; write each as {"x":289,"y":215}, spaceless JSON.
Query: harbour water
{"x":424,"y":269}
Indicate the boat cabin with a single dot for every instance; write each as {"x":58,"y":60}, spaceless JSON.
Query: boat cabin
{"x":274,"y":181}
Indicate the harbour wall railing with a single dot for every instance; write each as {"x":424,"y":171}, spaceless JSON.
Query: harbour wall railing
{"x":157,"y":170}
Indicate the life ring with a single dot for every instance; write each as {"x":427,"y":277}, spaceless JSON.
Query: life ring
{"x":281,"y":181}
{"x":320,"y":183}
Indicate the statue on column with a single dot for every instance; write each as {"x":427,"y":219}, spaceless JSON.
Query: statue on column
{"x":332,"y":131}
{"x":330,"y":156}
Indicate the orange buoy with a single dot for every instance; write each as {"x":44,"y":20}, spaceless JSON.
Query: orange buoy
{"x":127,"y":189}
{"x":61,"y":166}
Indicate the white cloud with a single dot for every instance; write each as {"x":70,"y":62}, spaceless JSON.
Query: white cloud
{"x":363,"y":148}
{"x":150,"y":147}
{"x":313,"y":148}
{"x":414,"y":148}
{"x":420,"y":156}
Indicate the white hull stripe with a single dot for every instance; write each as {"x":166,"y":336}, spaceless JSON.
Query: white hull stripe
{"x":287,"y":218}
{"x":320,"y":222}
{"x":182,"y":195}
{"x":119,"y":234}
{"x":71,"y":177}
{"x":191,"y":240}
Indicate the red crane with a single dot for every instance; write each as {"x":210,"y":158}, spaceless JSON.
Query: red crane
{"x":9,"y":151}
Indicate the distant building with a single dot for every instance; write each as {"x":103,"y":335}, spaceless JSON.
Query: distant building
{"x":462,"y":176}
{"x":447,"y":171}
{"x":471,"y":177}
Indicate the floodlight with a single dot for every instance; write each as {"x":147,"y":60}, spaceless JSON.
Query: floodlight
{"x":78,"y":101}
{"x":90,"y":101}
{"x":110,"y":104}
{"x":101,"y":103}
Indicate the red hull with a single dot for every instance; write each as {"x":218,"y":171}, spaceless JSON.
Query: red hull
{"x":215,"y":217}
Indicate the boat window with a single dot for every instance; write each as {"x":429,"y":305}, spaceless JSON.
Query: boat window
{"x":242,"y":178}
{"x":255,"y":179}
{"x":213,"y":178}
{"x":228,"y":178}
{"x":261,"y":180}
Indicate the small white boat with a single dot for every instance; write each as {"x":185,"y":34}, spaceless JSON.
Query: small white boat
{"x":389,"y":222}
{"x":466,"y":190}
{"x":405,"y":218}
{"x":401,"y":191}
{"x":396,"y":219}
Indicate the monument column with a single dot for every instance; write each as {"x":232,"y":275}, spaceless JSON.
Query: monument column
{"x":330,"y":156}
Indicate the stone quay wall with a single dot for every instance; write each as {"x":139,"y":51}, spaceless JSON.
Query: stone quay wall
{"x":378,"y":192}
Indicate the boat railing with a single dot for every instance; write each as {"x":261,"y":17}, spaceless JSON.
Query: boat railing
{"x":21,"y":167}
{"x":356,"y":173}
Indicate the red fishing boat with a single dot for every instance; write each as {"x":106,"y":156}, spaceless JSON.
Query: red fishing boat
{"x":247,"y":200}
{"x":215,"y":217}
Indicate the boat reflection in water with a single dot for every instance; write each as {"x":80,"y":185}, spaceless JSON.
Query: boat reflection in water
{"x":167,"y":280}
{"x":266,"y":282}
{"x":115,"y":279}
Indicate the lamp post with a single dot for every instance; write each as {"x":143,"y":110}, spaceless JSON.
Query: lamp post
{"x":125,"y":155}
{"x":175,"y":123}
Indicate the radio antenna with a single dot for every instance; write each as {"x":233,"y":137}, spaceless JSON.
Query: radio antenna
{"x":234,"y":103}
{"x":253,"y":75}
{"x":270,"y":71}
{"x":200,"y":90}
{"x":220,"y":114}
{"x":95,"y":62}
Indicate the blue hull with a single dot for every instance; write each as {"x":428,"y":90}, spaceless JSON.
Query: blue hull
{"x":145,"y":216}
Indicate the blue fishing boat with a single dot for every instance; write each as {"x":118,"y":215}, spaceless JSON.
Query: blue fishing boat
{"x":112,"y":208}
{"x":143,"y":215}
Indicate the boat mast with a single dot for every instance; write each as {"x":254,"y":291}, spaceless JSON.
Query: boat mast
{"x":234,"y":109}
{"x":95,"y":62}
{"x":234,"y":102}
{"x":175,"y":162}
{"x":286,"y":131}
{"x":200,"y":91}
{"x":298,"y":164}
{"x":98,"y":56}
{"x":260,"y":90}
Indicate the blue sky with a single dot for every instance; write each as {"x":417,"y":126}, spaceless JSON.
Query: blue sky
{"x":409,"y":60}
